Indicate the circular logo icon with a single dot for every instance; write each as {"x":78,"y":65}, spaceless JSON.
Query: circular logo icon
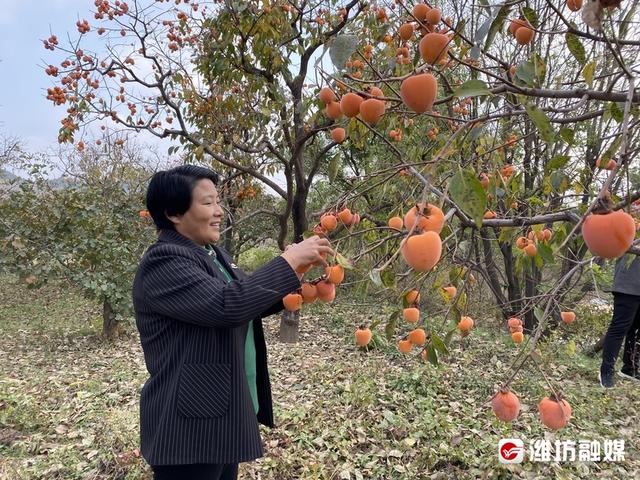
{"x":511,"y":450}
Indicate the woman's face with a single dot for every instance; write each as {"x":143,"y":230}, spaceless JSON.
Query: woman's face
{"x":201,"y":223}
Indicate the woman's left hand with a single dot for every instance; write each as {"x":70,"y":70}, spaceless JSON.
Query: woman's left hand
{"x":300,"y":275}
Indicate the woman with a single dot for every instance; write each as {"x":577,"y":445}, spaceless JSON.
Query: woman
{"x":199,"y":319}
{"x":625,"y":324}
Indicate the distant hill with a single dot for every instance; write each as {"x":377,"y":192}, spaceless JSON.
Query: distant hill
{"x":7,"y":175}
{"x":57,"y":183}
{"x":60,"y":182}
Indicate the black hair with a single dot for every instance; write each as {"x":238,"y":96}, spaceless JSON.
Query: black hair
{"x":170,"y":192}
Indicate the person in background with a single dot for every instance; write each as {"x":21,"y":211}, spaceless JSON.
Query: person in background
{"x":200,"y":323}
{"x":625,"y":323}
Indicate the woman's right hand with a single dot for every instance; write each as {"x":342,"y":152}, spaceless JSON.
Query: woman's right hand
{"x":311,"y":250}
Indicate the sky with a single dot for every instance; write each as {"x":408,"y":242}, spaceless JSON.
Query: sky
{"x":25,"y":113}
{"x":24,"y":110}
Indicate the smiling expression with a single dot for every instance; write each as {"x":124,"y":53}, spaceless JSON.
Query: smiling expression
{"x":201,"y":223}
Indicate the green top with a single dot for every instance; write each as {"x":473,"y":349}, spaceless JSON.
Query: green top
{"x":249,"y":345}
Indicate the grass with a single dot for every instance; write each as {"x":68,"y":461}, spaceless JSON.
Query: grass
{"x":68,"y":400}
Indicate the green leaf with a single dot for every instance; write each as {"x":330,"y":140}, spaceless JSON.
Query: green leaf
{"x":476,"y":132}
{"x":546,"y":253}
{"x":461,"y":300}
{"x":438,"y":344}
{"x":588,"y":71}
{"x":538,"y":313}
{"x":557,"y":162}
{"x":388,"y":279}
{"x":341,"y":49}
{"x":567,"y":135}
{"x":334,"y":167}
{"x":240,"y":6}
{"x":482,"y":31}
{"x":459,"y":29}
{"x":539,"y":67}
{"x":531,"y":16}
{"x":526,"y":72}
{"x":541,"y":121}
{"x":576,"y":48}
{"x":624,"y":25}
{"x":432,"y":356}
{"x":449,"y":336}
{"x":343,"y":262}
{"x":616,"y":112}
{"x":390,"y":327}
{"x":472,"y":88}
{"x":571,"y":348}
{"x":466,"y":191}
{"x":405,"y":304}
{"x":496,"y":25}
{"x":559,"y":181}
{"x":613,"y":148}
{"x":455,"y":274}
{"x":266,"y":111}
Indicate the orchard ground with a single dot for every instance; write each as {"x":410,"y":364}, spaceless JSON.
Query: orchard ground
{"x":69,"y":401}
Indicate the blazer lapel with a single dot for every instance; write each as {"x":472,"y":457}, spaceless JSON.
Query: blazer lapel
{"x":231,"y":267}
{"x":172,"y":236}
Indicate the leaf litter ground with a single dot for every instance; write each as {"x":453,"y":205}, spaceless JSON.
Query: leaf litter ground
{"x":68,"y":401}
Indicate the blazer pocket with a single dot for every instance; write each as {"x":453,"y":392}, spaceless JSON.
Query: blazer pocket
{"x":204,"y":390}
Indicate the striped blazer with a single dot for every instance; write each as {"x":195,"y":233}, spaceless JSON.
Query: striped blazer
{"x":196,"y":406}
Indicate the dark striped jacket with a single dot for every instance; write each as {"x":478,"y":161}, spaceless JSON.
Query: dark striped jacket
{"x":196,"y":406}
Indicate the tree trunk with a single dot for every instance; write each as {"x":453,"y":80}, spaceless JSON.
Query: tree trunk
{"x":531,"y":282}
{"x":589,"y":285}
{"x":110,"y":326}
{"x":289,"y":327}
{"x":228,"y":237}
{"x":299,"y":211}
{"x":493,"y":274}
{"x":290,"y":321}
{"x":513,"y":285}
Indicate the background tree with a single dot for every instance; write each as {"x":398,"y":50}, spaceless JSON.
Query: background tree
{"x":85,"y":227}
{"x":225,"y":80}
{"x":249,"y":214}
{"x":519,"y":106}
{"x":534,"y":152}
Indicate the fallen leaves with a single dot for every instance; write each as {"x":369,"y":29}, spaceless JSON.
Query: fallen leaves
{"x":69,"y":405}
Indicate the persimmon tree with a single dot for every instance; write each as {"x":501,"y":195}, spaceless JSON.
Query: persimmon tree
{"x":85,"y":228}
{"x":225,"y":80}
{"x":250,"y":214}
{"x":495,"y":135}
{"x":505,"y":145}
